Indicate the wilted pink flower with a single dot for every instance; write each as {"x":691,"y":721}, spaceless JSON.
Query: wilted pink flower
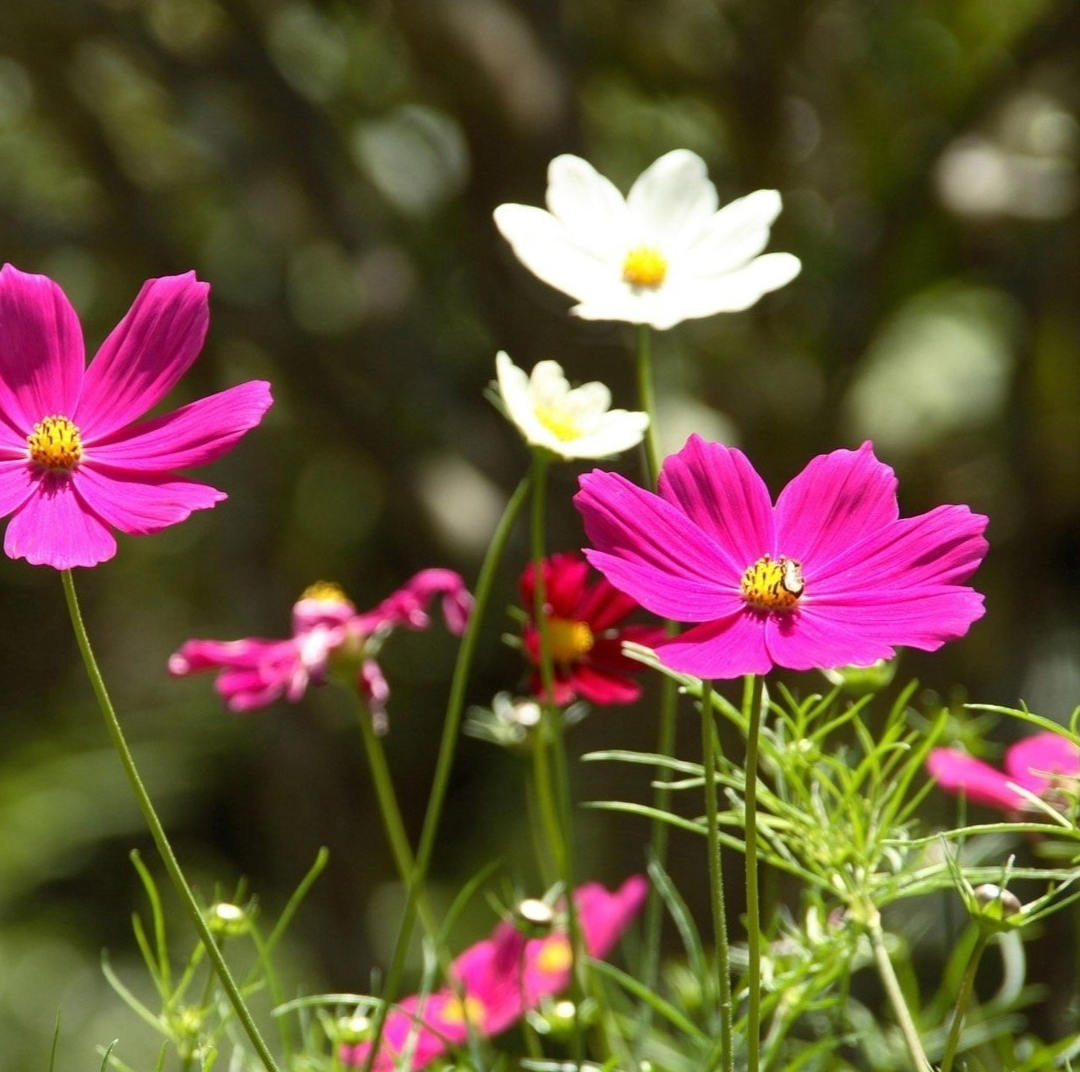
{"x":830,"y":576}
{"x":496,"y":981}
{"x":585,"y":631}
{"x":73,"y":465}
{"x":326,"y":628}
{"x":1034,"y":763}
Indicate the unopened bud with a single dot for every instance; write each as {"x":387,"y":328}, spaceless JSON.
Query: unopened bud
{"x":996,"y":904}
{"x":227,"y":919}
{"x":353,"y":1029}
{"x":534,"y":917}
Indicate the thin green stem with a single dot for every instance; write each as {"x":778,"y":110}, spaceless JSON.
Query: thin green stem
{"x":755,"y":691}
{"x":665,"y":745}
{"x":716,"y":879}
{"x":393,"y":824}
{"x":967,"y":986}
{"x":552,"y":778}
{"x":157,"y":831}
{"x":455,"y":707}
{"x":919,"y":1060}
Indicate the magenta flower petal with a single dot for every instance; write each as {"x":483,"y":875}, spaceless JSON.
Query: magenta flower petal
{"x":942,"y":547}
{"x":54,"y":527}
{"x":718,"y":489}
{"x":193,"y":435}
{"x":830,"y":577}
{"x":651,"y":550}
{"x":17,"y":484}
{"x":957,"y":772}
{"x":496,"y":981}
{"x":69,"y":429}
{"x":725,"y":648}
{"x":835,"y":501}
{"x":145,"y":354}
{"x":1033,"y":760}
{"x":142,"y":503}
{"x":41,"y":350}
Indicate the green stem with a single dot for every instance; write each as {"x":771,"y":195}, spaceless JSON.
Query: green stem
{"x":755,"y":691}
{"x":967,"y":985}
{"x":716,"y":879}
{"x":393,"y":824}
{"x":157,"y":831}
{"x":665,"y":745}
{"x":552,"y":778}
{"x":455,"y":707}
{"x":919,"y":1060}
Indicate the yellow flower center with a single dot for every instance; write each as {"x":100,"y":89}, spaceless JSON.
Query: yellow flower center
{"x":769,"y":585}
{"x":555,"y":955}
{"x":568,"y":641}
{"x":564,"y":426}
{"x":644,"y":267}
{"x":455,"y":1011}
{"x":55,"y":443}
{"x":326,"y":592}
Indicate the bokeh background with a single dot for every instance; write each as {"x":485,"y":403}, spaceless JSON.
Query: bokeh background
{"x":331,"y":169}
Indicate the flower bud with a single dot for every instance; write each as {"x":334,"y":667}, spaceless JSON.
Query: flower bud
{"x":996,"y":907}
{"x":353,"y":1029}
{"x":534,"y":917}
{"x":226,"y":919}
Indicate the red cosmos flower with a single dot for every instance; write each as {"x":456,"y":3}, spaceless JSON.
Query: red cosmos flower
{"x":584,"y":632}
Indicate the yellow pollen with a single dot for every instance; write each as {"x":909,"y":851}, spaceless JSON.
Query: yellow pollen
{"x":325,"y":592}
{"x":555,"y":955}
{"x":568,"y":640}
{"x":564,"y":426}
{"x":455,"y":1012}
{"x":55,"y":443}
{"x":769,"y":585}
{"x":644,"y":267}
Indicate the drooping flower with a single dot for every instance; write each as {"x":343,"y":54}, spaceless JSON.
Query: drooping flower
{"x":662,"y":255}
{"x":328,"y":632}
{"x":73,"y":464}
{"x":570,"y":422}
{"x":495,"y":982}
{"x":585,"y":631}
{"x":1036,"y":763}
{"x":829,"y":576}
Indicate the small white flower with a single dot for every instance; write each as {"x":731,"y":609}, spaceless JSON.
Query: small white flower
{"x":570,"y":422}
{"x":662,"y":255}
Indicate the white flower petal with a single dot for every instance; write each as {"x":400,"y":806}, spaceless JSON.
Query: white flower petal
{"x":514,"y":389}
{"x":548,"y":413}
{"x":738,"y":290}
{"x":670,"y":200}
{"x":549,"y":251}
{"x":734,"y":235}
{"x":588,"y":205}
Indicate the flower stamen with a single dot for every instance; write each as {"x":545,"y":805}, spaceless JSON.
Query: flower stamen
{"x":455,"y":1011}
{"x":773,"y":585}
{"x":563,"y":425}
{"x":55,"y":443}
{"x":644,"y":267}
{"x":568,"y":640}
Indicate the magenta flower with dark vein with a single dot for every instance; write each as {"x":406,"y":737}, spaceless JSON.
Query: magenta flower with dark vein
{"x":73,"y":465}
{"x":830,"y":576}
{"x":1039,"y":764}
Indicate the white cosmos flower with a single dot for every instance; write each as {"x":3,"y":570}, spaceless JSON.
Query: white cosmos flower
{"x":572,"y":422}
{"x":661,"y":255}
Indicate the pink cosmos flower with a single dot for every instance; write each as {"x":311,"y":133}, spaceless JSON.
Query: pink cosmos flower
{"x":496,"y":981}
{"x":73,"y":465}
{"x":326,"y":629}
{"x":1034,"y":763}
{"x":585,"y":632}
{"x":829,"y":576}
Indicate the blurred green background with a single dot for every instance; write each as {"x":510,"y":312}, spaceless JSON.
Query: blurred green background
{"x":331,"y":169}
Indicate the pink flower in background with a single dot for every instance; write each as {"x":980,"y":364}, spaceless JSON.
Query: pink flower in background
{"x":585,"y":631}
{"x":496,"y":981}
{"x":1033,"y":763}
{"x":830,"y":576}
{"x":73,"y":465}
{"x":326,"y":628}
